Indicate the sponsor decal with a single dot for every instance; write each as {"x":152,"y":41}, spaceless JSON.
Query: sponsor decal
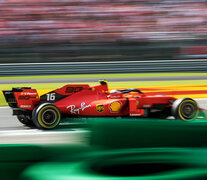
{"x":75,"y":110}
{"x":24,"y":97}
{"x":100,"y":107}
{"x":5,"y":92}
{"x":11,"y":100}
{"x":73,"y":89}
{"x":115,"y":106}
{"x":25,"y":106}
{"x":135,"y":114}
{"x":30,"y":94}
{"x":115,"y":96}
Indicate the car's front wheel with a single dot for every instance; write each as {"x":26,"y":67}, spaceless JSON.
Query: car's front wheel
{"x":46,"y":116}
{"x":185,"y":109}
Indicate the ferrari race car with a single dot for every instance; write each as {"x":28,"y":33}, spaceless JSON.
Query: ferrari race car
{"x":71,"y":100}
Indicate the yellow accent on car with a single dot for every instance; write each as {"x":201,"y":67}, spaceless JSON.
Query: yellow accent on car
{"x":40,"y":120}
{"x":100,"y":107}
{"x":137,"y":103}
{"x":179,"y":110}
{"x":115,"y":106}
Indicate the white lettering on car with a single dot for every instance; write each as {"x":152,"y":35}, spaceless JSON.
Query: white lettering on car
{"x":75,"y":110}
{"x":28,"y":93}
{"x":25,"y":106}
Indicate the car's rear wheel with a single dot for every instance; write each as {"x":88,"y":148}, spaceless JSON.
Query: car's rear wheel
{"x":25,"y":119}
{"x":46,"y":116}
{"x":185,"y":109}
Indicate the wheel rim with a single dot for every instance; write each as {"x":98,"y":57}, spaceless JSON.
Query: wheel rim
{"x":49,"y":117}
{"x":188,"y":110}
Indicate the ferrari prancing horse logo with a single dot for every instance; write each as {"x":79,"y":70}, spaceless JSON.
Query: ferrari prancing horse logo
{"x":100,"y":107}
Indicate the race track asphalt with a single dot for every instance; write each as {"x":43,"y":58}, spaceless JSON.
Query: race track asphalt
{"x":13,"y":132}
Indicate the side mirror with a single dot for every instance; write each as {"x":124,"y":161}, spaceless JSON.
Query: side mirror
{"x":103,"y":82}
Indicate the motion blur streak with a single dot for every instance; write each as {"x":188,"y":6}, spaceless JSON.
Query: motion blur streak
{"x":103,"y":67}
{"x":99,"y":30}
{"x":102,"y":20}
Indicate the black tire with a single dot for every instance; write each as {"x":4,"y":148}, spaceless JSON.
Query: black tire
{"x":46,"y":116}
{"x":185,"y":109}
{"x":25,"y":119}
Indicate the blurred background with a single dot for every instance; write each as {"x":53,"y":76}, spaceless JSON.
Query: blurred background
{"x":102,"y":30}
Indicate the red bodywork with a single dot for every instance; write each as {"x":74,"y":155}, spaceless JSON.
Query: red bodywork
{"x":85,"y":100}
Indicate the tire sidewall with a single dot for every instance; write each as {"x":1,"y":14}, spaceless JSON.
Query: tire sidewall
{"x":176,"y":108}
{"x":37,"y":113}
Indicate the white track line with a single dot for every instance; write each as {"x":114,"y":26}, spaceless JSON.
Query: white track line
{"x":201,"y":99}
{"x":34,"y":132}
{"x":4,"y":107}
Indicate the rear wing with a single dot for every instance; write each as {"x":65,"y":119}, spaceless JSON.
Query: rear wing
{"x":22,"y":97}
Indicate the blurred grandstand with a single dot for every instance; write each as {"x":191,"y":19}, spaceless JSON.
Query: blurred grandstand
{"x":83,"y":30}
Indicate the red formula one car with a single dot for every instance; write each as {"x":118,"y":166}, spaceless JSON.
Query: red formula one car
{"x":47,"y":110}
